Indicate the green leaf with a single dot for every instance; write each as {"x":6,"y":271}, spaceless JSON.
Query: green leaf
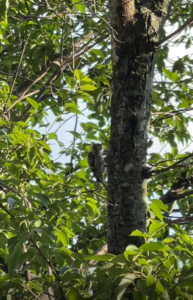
{"x":86,"y":80}
{"x":168,"y":240}
{"x":88,"y":87}
{"x":75,"y":134}
{"x":142,"y":286}
{"x":164,"y":274}
{"x":5,"y":26}
{"x":13,"y":259}
{"x":4,"y":8}
{"x":43,"y":198}
{"x":153,"y":246}
{"x":72,"y":107}
{"x":52,"y":136}
{"x":74,"y":294}
{"x":150,"y":280}
{"x":85,"y":96}
{"x":68,"y":231}
{"x":81,"y":174}
{"x":159,"y":287}
{"x":155,"y":227}
{"x":148,"y":287}
{"x":62,"y":237}
{"x":12,"y":169}
{"x":93,"y":206}
{"x":139,"y":233}
{"x":3,"y":122}
{"x":120,"y":259}
{"x":83,"y":163}
{"x":71,"y":82}
{"x":132,"y":248}
{"x":80,"y":8}
{"x":170,"y":75}
{"x":3,"y":145}
{"x":3,"y":241}
{"x":35,"y":286}
{"x":104,"y":257}
{"x":137,"y":295}
{"x":97,"y":52}
{"x":156,"y":211}
{"x":33,"y":103}
{"x":170,"y":262}
{"x":125,"y":281}
{"x":160,"y":204}
{"x":191,"y":12}
{"x":42,"y":143}
{"x":31,"y":154}
{"x":78,"y":74}
{"x":37,"y":223}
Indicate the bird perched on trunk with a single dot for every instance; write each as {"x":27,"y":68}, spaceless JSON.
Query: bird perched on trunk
{"x":96,"y":163}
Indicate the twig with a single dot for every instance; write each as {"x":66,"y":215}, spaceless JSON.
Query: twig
{"x":55,"y":76}
{"x":74,"y":138}
{"x":33,"y":294}
{"x":18,"y":68}
{"x":5,"y":209}
{"x":27,"y":89}
{"x":175,"y":165}
{"x":49,"y":266}
{"x":175,"y":192}
{"x":168,"y":115}
{"x":182,"y":220}
{"x":188,"y":22}
{"x":44,"y":258}
{"x":61,"y":45}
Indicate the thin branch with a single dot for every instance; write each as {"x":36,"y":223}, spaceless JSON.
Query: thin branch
{"x":27,"y":89}
{"x":18,"y":68}
{"x":168,"y":115}
{"x":55,"y":76}
{"x":49,"y":266}
{"x":5,"y":210}
{"x":182,"y":220}
{"x":175,"y":165}
{"x":74,"y":138}
{"x":187,"y":23}
{"x":175,"y":192}
{"x":61,"y":45}
{"x":45,"y":259}
{"x":34,"y":295}
{"x":181,"y":196}
{"x":50,"y":16}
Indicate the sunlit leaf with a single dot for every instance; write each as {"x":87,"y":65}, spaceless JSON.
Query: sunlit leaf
{"x":79,"y":74}
{"x":88,"y":87}
{"x":152,"y":246}
{"x":62,"y":237}
{"x":32,"y":102}
{"x":170,"y":75}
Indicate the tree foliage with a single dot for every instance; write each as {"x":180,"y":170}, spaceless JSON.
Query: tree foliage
{"x":55,"y":61}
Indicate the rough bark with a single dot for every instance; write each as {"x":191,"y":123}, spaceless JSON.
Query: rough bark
{"x":136,"y":30}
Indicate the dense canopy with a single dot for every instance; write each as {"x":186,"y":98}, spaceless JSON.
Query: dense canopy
{"x":55,"y":66}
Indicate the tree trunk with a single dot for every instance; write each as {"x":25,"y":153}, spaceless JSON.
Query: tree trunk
{"x":135,"y":33}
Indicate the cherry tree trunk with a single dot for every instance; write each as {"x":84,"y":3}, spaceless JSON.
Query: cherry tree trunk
{"x":136,"y":32}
